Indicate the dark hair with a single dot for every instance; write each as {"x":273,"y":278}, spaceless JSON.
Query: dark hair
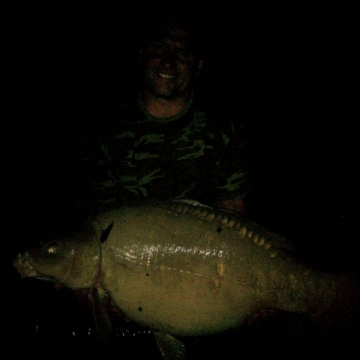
{"x":160,"y":25}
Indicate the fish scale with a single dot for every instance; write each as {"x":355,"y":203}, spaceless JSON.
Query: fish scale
{"x":276,"y":242}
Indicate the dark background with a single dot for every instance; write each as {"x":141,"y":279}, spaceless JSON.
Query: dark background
{"x":289,"y":66}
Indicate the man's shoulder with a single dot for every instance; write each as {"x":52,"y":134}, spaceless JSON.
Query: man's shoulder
{"x":221,"y":112}
{"x":123,"y":111}
{"x":125,"y":107}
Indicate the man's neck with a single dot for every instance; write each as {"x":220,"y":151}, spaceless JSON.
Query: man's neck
{"x":163,"y":108}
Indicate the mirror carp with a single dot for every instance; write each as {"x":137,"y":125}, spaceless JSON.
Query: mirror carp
{"x":181,"y":268}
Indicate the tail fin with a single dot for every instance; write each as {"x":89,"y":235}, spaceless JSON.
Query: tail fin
{"x":343,"y":312}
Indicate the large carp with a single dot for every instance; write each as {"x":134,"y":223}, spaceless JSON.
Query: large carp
{"x":184,"y":269}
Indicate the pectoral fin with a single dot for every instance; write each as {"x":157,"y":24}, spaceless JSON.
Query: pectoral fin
{"x":170,"y":347}
{"x":101,"y":317}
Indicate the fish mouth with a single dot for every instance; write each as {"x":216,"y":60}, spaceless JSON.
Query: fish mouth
{"x":23,"y":265}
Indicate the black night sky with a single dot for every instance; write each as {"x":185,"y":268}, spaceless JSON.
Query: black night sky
{"x":290,"y":66}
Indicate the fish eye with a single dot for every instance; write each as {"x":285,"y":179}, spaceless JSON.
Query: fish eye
{"x":52,"y":248}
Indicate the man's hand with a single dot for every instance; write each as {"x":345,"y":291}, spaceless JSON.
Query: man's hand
{"x":234,"y":205}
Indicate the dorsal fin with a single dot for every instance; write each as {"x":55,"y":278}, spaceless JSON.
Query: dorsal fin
{"x":105,"y":234}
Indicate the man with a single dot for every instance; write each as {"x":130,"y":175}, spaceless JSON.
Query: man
{"x":169,"y":143}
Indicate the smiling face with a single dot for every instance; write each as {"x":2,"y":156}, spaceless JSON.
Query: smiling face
{"x":170,"y":64}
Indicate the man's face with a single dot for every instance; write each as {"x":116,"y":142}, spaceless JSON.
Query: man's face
{"x":169,"y":65}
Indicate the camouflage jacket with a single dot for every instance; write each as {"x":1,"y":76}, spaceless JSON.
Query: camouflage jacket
{"x":201,"y":154}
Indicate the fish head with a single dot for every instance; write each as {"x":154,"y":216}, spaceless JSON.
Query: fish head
{"x":73,"y":260}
